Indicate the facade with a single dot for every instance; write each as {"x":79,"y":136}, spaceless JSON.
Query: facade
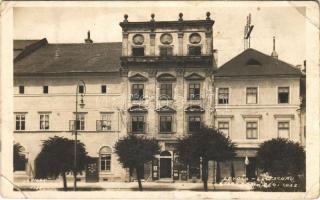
{"x":257,"y":99}
{"x":162,"y":81}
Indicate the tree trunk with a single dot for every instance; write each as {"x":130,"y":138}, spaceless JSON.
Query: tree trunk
{"x":218,"y":173}
{"x":205,"y":174}
{"x":139,"y":178}
{"x":130,"y":173}
{"x":64,"y":179}
{"x":232,"y":174}
{"x":75,"y":180}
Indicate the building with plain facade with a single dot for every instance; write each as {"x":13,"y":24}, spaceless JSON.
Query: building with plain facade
{"x":162,"y":81}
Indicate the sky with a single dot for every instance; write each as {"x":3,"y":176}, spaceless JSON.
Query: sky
{"x":70,"y":25}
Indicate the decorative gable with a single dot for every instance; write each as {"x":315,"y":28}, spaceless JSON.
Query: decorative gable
{"x":194,"y":77}
{"x":166,"y":77}
{"x":165,"y":109}
{"x":138,"y":77}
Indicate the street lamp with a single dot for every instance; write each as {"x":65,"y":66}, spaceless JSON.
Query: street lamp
{"x":77,"y":125}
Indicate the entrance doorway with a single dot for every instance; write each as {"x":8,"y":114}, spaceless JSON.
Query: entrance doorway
{"x":251,"y":171}
{"x":165,"y":164}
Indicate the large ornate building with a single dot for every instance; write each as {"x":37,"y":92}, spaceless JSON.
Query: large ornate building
{"x":162,"y":81}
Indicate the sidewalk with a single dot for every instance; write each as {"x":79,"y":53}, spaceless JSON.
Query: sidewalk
{"x":132,"y":186}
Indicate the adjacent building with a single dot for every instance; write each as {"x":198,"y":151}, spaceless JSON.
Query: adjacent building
{"x":257,"y":99}
{"x":162,"y":81}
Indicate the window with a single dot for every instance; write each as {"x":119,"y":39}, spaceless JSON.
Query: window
{"x":81,"y":89}
{"x":21,"y":89}
{"x":166,"y":51}
{"x":194,"y":50}
{"x":103,"y":89}
{"x":138,"y":124}
{"x":252,"y":95}
{"x":194,"y":123}
{"x":165,"y":124}
{"x":224,"y":128}
{"x":252,"y":130}
{"x":105,"y":122}
{"x":80,"y":124}
{"x":194,"y":91}
{"x":283,"y":95}
{"x":20,"y":122}
{"x":223,"y":95}
{"x":138,"y":51}
{"x":44,"y":122}
{"x":283,"y":129}
{"x":105,"y":159}
{"x":166,"y":91}
{"x":45,"y":89}
{"x":137,"y":91}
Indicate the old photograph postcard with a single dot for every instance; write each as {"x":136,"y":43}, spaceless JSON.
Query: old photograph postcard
{"x":160,"y":100}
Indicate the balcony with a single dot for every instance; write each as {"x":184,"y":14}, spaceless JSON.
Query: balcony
{"x":199,"y":59}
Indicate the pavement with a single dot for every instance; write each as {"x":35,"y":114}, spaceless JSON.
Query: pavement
{"x":130,"y":186}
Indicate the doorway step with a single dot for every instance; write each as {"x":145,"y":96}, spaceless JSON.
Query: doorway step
{"x":165,"y":180}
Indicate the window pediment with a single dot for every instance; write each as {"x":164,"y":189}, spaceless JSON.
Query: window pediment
{"x":165,"y":109}
{"x":194,"y":109}
{"x":194,"y":77}
{"x":291,"y":116}
{"x":252,"y":116}
{"x":138,"y":77}
{"x":137,"y":109}
{"x":166,"y":77}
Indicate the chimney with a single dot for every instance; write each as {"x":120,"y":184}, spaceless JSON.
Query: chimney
{"x":57,"y":53}
{"x":215,"y":56}
{"x":274,"y":54}
{"x":88,"y":39}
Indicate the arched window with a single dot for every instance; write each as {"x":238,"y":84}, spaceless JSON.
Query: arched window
{"x":165,"y":153}
{"x":105,"y":159}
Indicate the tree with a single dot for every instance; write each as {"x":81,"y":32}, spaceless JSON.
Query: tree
{"x":205,"y":144}
{"x":281,"y":157}
{"x":19,"y":159}
{"x":57,"y":158}
{"x":134,"y":151}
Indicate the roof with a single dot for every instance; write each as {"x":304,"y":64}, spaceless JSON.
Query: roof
{"x":254,"y":63}
{"x":70,"y":58}
{"x":20,"y":45}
